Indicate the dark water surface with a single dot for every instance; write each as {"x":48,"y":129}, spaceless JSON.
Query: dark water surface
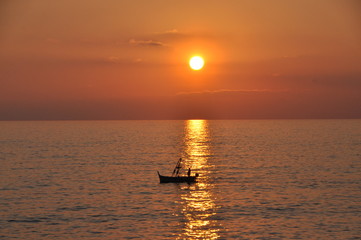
{"x":259,"y":179}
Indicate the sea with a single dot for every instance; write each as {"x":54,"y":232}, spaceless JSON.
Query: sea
{"x":258,"y":179}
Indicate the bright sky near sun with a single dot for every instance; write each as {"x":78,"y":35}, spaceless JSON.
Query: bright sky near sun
{"x":110,"y":59}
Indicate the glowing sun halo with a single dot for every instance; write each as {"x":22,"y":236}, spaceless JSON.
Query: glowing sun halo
{"x":196,"y":63}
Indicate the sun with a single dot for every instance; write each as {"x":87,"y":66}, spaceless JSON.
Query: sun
{"x":196,"y":63}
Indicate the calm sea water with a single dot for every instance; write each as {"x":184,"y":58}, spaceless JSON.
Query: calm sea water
{"x":259,"y":179}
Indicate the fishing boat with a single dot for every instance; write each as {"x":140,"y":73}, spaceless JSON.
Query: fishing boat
{"x":176,"y":178}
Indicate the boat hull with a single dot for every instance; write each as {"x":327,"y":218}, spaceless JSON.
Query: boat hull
{"x":179,"y":179}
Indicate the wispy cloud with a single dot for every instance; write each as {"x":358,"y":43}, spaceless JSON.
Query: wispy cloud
{"x":168,"y":32}
{"x":233,"y":91}
{"x":176,"y":35}
{"x":112,"y":59}
{"x":146,"y":43}
{"x":166,"y":38}
{"x":172,"y":34}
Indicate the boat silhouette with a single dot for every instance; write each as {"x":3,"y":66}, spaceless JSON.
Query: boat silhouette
{"x":176,"y":178}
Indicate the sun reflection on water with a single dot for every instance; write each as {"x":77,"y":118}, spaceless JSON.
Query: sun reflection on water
{"x":198,"y":201}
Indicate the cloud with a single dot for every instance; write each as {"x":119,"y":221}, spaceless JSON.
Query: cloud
{"x":172,"y":34}
{"x":234,"y":91}
{"x":146,"y":43}
{"x":116,"y":60}
{"x":138,"y":60}
{"x":166,"y":39}
{"x":176,"y":35}
{"x":168,"y":32}
{"x":112,"y":59}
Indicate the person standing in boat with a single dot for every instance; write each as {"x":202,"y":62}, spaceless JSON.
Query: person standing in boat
{"x":189,"y":172}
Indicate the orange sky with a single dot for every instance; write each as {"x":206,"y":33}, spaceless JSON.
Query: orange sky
{"x":129,"y":59}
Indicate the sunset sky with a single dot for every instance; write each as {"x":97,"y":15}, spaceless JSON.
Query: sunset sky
{"x":111,"y":59}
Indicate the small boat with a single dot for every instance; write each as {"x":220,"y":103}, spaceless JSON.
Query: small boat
{"x":175,"y":178}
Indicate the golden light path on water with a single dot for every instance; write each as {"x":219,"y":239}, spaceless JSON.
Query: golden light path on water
{"x":198,"y":201}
